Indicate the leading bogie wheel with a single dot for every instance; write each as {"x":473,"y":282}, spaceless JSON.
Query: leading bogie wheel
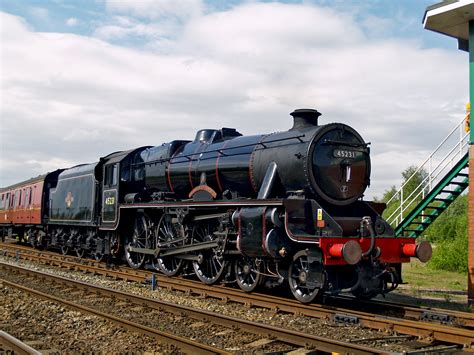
{"x":301,"y":282}
{"x":247,"y":273}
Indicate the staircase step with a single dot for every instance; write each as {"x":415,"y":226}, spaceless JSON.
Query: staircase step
{"x":452,"y":192}
{"x":422,"y":223}
{"x":460,"y":183}
{"x":422,"y":215}
{"x":444,"y":199}
{"x":463,"y":175}
{"x":416,"y":231}
{"x":435,"y":208}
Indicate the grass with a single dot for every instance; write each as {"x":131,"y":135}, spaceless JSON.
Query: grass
{"x":432,"y":288}
{"x":417,"y":274}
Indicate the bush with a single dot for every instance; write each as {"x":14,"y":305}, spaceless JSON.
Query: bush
{"x":450,"y":255}
{"x":451,"y":224}
{"x":449,"y":234}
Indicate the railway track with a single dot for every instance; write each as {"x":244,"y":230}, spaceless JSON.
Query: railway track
{"x":426,"y":314}
{"x":13,"y":345}
{"x":181,"y":343}
{"x":383,"y":308}
{"x":456,"y":331}
{"x":269,"y":333}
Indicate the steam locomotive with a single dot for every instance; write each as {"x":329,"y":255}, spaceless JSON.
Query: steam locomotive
{"x":257,"y":210}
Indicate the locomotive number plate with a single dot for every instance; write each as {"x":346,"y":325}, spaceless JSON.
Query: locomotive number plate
{"x":340,"y":153}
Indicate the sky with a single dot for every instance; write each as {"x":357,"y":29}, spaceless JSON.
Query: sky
{"x":82,"y":79}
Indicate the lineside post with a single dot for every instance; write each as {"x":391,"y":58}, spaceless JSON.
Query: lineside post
{"x":470,"y":220}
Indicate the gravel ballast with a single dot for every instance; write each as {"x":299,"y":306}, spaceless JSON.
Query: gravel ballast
{"x":319,"y":327}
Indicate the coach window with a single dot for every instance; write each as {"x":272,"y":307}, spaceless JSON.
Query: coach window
{"x":27,"y":201}
{"x":7,"y":201}
{"x":15,"y":199}
{"x":25,"y":197}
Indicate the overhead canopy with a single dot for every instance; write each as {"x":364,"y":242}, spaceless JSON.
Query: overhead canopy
{"x":451,"y":18}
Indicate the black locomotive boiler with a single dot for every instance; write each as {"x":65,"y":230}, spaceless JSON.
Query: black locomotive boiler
{"x":257,"y":210}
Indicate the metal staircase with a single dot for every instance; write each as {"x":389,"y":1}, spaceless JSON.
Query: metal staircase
{"x":443,"y":178}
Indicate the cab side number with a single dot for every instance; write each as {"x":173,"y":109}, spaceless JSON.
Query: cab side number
{"x":110,"y":200}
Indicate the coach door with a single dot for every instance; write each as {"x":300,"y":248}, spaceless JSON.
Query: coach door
{"x":110,"y":194}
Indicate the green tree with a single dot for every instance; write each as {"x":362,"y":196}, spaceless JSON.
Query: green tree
{"x":413,"y":179}
{"x":412,"y":190}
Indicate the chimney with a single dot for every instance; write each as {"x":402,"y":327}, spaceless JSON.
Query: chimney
{"x":305,"y":118}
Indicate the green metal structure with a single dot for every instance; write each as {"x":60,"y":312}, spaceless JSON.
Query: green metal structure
{"x":436,"y":201}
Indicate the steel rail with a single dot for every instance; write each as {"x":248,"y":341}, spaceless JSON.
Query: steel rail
{"x":403,"y":326}
{"x":16,"y":346}
{"x":284,"y":335}
{"x":181,"y":343}
{"x":414,"y":312}
{"x":425,"y":330}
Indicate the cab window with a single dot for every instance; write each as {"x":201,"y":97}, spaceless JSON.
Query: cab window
{"x":110,"y":175}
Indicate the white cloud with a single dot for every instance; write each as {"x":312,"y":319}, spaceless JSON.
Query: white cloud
{"x":74,"y":98}
{"x":154,"y":21}
{"x":120,"y":27}
{"x":157,"y":22}
{"x":72,"y":21}
{"x":155,"y":9}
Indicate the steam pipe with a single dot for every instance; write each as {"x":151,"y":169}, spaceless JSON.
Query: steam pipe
{"x":268,"y":181}
{"x":367,"y":221}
